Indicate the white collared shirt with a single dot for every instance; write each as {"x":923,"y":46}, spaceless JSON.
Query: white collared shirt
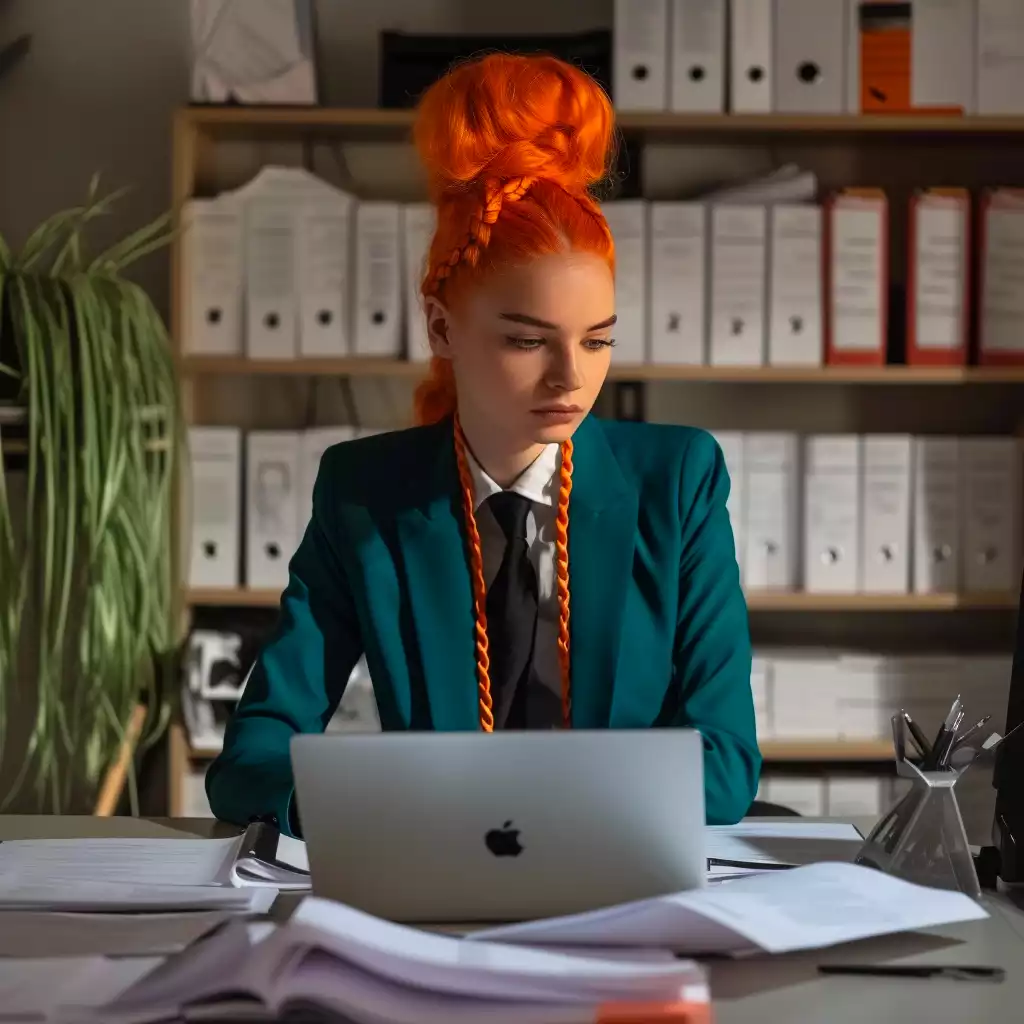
{"x":539,"y":482}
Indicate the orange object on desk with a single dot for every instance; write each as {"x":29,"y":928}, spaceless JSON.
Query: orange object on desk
{"x":654,"y":1013}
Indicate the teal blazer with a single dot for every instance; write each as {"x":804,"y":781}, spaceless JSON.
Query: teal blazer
{"x":659,"y":632}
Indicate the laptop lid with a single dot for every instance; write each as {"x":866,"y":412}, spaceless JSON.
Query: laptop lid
{"x":476,"y":827}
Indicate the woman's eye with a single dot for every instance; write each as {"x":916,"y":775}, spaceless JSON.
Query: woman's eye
{"x":519,"y":342}
{"x":599,"y":343}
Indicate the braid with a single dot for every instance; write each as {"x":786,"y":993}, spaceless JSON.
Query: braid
{"x":476,"y":571}
{"x":478,"y":234}
{"x":562,"y":578}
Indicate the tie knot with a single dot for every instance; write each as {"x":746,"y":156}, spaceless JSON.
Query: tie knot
{"x":510,"y":510}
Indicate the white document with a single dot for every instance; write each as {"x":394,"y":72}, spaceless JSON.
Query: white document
{"x":678,"y":283}
{"x":795,"y":313}
{"x":739,"y":264}
{"x":750,"y":56}
{"x":731,"y":443}
{"x":214,"y":509}
{"x":272,"y":505}
{"x":126,"y":861}
{"x":1002,"y":276}
{"x":941,"y":255}
{"x":84,"y":896}
{"x":784,"y":842}
{"x":809,"y":907}
{"x":991,"y":470}
{"x":628,"y":222}
{"x":271,"y":309}
{"x":212,"y":269}
{"x":832,"y":513}
{"x":786,"y":184}
{"x":315,"y":442}
{"x":324,"y":238}
{"x":885,"y":514}
{"x":770,"y":496}
{"x":640,"y":38}
{"x":937,"y":515}
{"x":810,"y":56}
{"x":361,"y":968}
{"x":858,"y":302}
{"x":1000,"y":57}
{"x":32,"y":933}
{"x":378,"y":320}
{"x":418,"y":221}
{"x":697,"y":56}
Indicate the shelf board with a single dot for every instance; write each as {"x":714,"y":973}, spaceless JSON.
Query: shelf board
{"x":764,"y":601}
{"x":826,"y":750}
{"x":371,"y":124}
{"x":771,"y":750}
{"x":365,"y":366}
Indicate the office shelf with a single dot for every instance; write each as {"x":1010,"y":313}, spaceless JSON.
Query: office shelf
{"x":365,"y":366}
{"x":756,"y":601}
{"x":826,"y":750}
{"x":370,"y":124}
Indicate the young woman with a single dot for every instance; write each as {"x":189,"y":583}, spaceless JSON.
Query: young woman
{"x":512,"y":561}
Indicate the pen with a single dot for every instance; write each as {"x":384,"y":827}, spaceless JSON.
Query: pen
{"x":916,"y":735}
{"x":758,"y":865}
{"x":964,"y":736}
{"x":940,"y":737}
{"x":960,"y":973}
{"x":942,"y":761}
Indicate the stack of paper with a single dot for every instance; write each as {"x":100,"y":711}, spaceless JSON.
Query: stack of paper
{"x":774,"y":912}
{"x":148,"y":874}
{"x":334,"y":960}
{"x":750,"y":847}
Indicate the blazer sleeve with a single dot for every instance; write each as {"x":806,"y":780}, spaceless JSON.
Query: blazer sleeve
{"x":712,"y":644}
{"x":297,"y":680}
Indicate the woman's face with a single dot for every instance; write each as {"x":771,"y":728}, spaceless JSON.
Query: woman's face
{"x":530,"y":346}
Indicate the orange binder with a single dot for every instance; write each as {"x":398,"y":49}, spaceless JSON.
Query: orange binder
{"x":939,"y":277}
{"x":655,"y":1013}
{"x":1001,"y":278}
{"x":856,"y":277}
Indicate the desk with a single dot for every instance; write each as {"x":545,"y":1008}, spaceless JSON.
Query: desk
{"x":777,"y":990}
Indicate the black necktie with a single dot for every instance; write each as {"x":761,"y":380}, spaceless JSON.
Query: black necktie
{"x":511,"y":613}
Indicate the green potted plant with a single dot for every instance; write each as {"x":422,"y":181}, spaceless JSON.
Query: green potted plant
{"x":88,"y":584}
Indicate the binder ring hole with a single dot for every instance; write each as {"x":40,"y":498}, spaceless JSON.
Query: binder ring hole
{"x":675,"y":323}
{"x":209,"y":549}
{"x":808,"y":72}
{"x":640,"y":72}
{"x":697,"y":73}
{"x":736,"y":325}
{"x":942,"y":553}
{"x":324,"y":317}
{"x":379,"y":317}
{"x":272,"y":320}
{"x":771,"y":548}
{"x":214,"y":315}
{"x":987,"y":555}
{"x":796,"y":324}
{"x":755,"y":73}
{"x":273,"y":550}
{"x":830,"y":556}
{"x":888,"y":552}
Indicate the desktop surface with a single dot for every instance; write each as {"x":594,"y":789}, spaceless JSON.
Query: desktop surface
{"x":765,"y":990}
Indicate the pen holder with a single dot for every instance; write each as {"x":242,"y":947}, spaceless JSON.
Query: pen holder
{"x":922,"y":839}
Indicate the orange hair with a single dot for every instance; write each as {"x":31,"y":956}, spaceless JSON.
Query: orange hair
{"x":512,"y":147}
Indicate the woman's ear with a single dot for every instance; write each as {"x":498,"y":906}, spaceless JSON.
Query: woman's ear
{"x":438,"y":326}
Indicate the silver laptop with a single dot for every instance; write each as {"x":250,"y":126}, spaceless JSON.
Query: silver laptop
{"x":478,"y":827}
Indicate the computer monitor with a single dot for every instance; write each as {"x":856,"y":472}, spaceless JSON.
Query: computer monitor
{"x":1009,"y":770}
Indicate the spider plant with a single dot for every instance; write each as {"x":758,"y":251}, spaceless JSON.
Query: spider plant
{"x":88,"y":585}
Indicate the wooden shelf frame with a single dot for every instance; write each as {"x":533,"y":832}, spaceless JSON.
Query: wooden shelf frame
{"x":366,"y":366}
{"x":373,"y":125}
{"x":757,"y":601}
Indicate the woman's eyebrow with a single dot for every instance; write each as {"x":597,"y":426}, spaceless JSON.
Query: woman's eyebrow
{"x":532,"y":321}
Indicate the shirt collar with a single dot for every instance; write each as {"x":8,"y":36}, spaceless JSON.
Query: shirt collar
{"x":538,"y":482}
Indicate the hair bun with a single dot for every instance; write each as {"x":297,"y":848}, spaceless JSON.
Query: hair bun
{"x":507,"y":116}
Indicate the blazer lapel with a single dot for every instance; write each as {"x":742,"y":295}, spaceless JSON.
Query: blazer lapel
{"x":432,"y":540}
{"x":602,"y":536}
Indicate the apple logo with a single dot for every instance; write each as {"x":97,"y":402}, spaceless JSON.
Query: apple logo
{"x":504,"y":841}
